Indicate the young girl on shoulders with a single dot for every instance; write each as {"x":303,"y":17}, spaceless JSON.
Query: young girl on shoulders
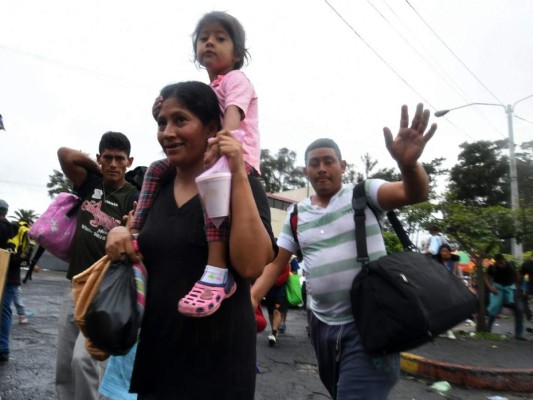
{"x":219,"y":47}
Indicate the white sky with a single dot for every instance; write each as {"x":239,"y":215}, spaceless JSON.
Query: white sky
{"x":71,"y":70}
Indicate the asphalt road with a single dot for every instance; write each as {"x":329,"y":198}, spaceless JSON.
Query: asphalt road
{"x":288,"y":370}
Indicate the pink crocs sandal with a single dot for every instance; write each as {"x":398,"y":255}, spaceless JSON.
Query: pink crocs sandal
{"x":205,"y":298}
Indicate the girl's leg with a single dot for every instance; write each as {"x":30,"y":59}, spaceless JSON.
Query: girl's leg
{"x":216,"y":283}
{"x":155,"y":174}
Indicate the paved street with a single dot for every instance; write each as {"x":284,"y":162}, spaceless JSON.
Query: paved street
{"x":288,"y":370}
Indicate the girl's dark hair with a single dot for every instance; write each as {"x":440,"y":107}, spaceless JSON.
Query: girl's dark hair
{"x":235,"y":31}
{"x":198,"y":97}
{"x":114,"y":141}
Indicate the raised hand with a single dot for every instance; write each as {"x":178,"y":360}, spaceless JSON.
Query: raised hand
{"x":409,"y":143}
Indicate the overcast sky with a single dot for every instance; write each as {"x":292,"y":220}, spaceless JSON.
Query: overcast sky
{"x":71,"y":70}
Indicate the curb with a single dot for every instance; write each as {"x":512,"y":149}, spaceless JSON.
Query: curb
{"x":503,"y":379}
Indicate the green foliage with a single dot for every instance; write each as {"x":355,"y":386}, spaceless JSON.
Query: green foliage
{"x":58,"y":183}
{"x":279,"y":172}
{"x":28,"y":216}
{"x":479,"y":230}
{"x":524,"y":167}
{"x":392,"y":243}
{"x":350,"y":175}
{"x":481,"y":175}
{"x":418,"y":217}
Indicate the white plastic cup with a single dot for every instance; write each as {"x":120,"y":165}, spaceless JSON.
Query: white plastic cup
{"x":215,"y":191}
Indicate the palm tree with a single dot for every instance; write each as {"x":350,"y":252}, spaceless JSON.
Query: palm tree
{"x":28,"y":216}
{"x":58,"y":183}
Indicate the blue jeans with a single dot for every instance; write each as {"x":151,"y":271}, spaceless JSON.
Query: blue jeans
{"x":5,"y":327}
{"x":345,"y":369}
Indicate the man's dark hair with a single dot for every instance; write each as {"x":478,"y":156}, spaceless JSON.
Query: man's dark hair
{"x":323,"y":142}
{"x":114,"y":141}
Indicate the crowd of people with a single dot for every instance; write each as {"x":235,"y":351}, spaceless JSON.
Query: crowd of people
{"x":199,"y":324}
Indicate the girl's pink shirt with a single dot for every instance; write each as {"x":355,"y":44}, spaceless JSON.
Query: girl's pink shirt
{"x":235,"y":89}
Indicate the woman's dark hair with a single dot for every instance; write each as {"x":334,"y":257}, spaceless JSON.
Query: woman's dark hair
{"x":114,"y":141}
{"x":235,"y":31}
{"x":453,"y":257}
{"x":198,"y":98}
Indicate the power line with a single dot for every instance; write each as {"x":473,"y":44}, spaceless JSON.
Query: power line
{"x":391,"y":68}
{"x":379,"y":56}
{"x":455,"y":87}
{"x":424,"y":59}
{"x":451,"y":51}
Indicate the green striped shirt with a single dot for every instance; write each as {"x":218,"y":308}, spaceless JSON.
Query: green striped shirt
{"x":327,"y":240}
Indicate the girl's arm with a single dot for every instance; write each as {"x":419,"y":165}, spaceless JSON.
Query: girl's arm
{"x":232,"y":118}
{"x":250,"y":245}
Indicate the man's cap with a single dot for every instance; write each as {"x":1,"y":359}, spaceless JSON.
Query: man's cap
{"x":3,"y":205}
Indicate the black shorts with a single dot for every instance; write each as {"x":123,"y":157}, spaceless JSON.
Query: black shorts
{"x":276,"y":299}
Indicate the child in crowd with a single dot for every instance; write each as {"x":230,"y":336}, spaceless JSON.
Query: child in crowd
{"x":219,"y":47}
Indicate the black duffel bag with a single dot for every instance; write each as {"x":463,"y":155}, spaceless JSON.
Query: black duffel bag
{"x":404,"y":299}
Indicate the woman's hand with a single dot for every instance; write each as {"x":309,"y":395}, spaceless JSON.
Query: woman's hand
{"x":119,"y":244}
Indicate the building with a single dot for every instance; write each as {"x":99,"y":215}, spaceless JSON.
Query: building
{"x":280,"y":202}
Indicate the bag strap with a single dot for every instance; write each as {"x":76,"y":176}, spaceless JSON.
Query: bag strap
{"x":293,"y":220}
{"x":359,"y":203}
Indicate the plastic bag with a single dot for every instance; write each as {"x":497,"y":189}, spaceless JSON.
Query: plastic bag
{"x":113,"y":320}
{"x":294,"y":290}
{"x":85,"y":286}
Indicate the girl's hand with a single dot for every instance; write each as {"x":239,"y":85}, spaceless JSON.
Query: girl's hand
{"x":225,"y":144}
{"x":120,"y":244}
{"x":409,"y":144}
{"x":157,"y":107}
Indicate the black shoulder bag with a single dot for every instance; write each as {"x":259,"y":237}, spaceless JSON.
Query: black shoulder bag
{"x":404,"y":299}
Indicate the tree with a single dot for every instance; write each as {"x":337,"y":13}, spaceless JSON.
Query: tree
{"x":524,"y":166}
{"x":279,"y":172}
{"x":28,"y":216}
{"x":417,"y":216}
{"x":368,"y":164}
{"x":350,"y":175}
{"x":58,"y":183}
{"x":481,"y":232}
{"x":481,"y":177}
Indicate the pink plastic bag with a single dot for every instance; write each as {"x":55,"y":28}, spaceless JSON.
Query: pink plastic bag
{"x":54,"y":230}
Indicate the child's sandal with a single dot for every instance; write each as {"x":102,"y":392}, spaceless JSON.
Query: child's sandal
{"x":205,"y":299}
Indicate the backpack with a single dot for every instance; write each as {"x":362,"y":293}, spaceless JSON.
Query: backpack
{"x":19,"y":245}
